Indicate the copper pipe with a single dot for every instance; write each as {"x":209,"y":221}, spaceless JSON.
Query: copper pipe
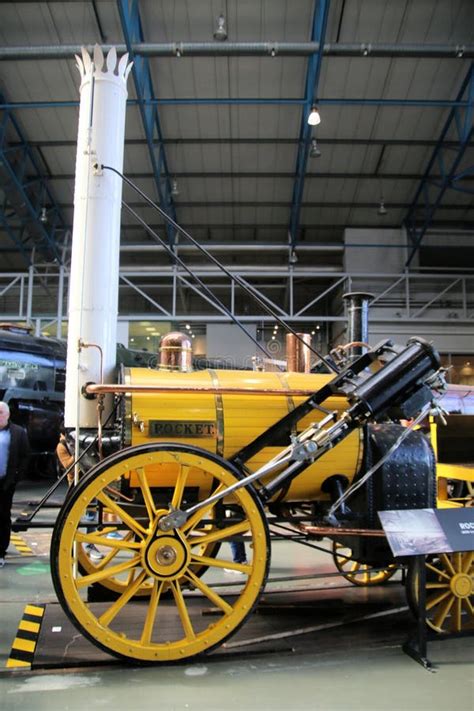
{"x":102,"y":388}
{"x":298,"y":352}
{"x":331,"y":531}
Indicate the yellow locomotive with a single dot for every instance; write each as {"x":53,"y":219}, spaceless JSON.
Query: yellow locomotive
{"x":208,"y":458}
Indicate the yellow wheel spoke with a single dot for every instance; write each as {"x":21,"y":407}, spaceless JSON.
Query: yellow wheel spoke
{"x":199,"y":515}
{"x":366,"y":575}
{"x":342,"y":560}
{"x":434,"y":586}
{"x":436,"y":599}
{"x":179,"y":487}
{"x":105,"y":573}
{"x":220,"y":534}
{"x":468,"y":560}
{"x":468,"y":605}
{"x":126,"y":518}
{"x":182,"y":610}
{"x":99,"y":538}
{"x":151,"y":612}
{"x":355,"y":567}
{"x":447,"y":563}
{"x":147,"y":497}
{"x":114,"y":609}
{"x":218,"y":563}
{"x":458,"y":562}
{"x":443,"y":611}
{"x":438,"y":571}
{"x":209,"y":593}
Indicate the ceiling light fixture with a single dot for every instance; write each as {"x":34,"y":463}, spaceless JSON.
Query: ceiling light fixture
{"x":314,"y":151}
{"x":174,"y":188}
{"x":43,"y":216}
{"x":382,"y":210}
{"x":220,"y":33}
{"x":293,"y":259}
{"x":314,"y":118}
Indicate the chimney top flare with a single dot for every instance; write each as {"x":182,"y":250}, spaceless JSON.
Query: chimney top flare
{"x":100,"y":66}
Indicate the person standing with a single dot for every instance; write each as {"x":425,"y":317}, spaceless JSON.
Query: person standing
{"x":14,"y":455}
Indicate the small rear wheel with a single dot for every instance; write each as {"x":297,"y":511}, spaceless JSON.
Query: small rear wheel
{"x":360,"y":574}
{"x":449,"y":591}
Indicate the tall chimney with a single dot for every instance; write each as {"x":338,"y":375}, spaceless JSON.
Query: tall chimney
{"x":93,"y":284}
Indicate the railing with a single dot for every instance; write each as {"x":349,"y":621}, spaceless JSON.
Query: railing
{"x":168,"y":293}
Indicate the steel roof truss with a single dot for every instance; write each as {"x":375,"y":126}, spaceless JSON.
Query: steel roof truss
{"x":320,"y":16}
{"x":448,"y":159}
{"x":25,"y":193}
{"x":133,"y":32}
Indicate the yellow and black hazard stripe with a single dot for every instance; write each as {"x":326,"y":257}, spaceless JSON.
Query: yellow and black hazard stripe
{"x":22,"y":547}
{"x":24,"y":644}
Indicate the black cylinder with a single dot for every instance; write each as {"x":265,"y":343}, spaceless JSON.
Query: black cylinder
{"x":396,"y":381}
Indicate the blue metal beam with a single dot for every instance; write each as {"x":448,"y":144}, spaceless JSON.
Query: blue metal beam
{"x":133,"y":32}
{"x":447,"y":160}
{"x":26,"y":192}
{"x":313,"y":71}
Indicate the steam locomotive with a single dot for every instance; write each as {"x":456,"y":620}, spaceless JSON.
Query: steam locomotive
{"x":204,"y":459}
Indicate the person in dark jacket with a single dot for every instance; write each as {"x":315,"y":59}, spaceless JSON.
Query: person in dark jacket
{"x":14,"y":455}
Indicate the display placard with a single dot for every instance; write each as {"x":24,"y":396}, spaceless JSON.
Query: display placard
{"x":423,"y":531}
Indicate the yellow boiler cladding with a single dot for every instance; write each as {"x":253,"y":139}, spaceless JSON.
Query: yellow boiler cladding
{"x":223,"y":423}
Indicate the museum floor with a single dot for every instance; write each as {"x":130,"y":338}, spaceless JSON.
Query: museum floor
{"x":313,"y":643}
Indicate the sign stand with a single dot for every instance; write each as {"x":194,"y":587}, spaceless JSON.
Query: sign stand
{"x":417,"y":645}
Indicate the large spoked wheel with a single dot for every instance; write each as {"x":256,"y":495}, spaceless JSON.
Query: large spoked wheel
{"x":449,"y":591}
{"x":192,"y":602}
{"x":357,"y":573}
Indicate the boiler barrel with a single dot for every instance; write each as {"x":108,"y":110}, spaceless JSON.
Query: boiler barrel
{"x":224,"y":423}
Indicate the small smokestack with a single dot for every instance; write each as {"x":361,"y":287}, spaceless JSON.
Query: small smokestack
{"x":358,"y":319}
{"x":176,"y":352}
{"x":298,"y":355}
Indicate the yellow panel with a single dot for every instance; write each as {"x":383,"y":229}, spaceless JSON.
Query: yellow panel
{"x":244,"y":417}
{"x":34,"y":610}
{"x":455,"y":471}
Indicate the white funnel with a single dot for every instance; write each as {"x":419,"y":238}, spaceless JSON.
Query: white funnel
{"x":93,"y":286}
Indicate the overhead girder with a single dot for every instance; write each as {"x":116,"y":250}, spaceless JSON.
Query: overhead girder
{"x":446,"y":160}
{"x":286,"y":175}
{"x":280,"y":204}
{"x":251,"y":141}
{"x":318,"y":31}
{"x":29,"y":212}
{"x":132,"y":28}
{"x":244,"y":101}
{"x":248,"y":49}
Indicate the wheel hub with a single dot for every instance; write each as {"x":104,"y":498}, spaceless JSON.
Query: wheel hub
{"x":166,"y":556}
{"x":461,"y":585}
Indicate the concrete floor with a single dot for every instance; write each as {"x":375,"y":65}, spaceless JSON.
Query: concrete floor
{"x":354,"y":665}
